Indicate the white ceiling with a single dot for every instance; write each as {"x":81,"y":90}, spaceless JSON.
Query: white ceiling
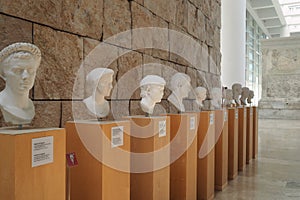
{"x":275,"y":17}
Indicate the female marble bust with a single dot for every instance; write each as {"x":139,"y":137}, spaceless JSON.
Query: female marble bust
{"x":100,"y":81}
{"x":18,"y":65}
{"x":180,"y":86}
{"x":250,"y":96}
{"x":244,"y":95}
{"x":236,"y":92}
{"x":200,"y":93}
{"x":152,"y":91}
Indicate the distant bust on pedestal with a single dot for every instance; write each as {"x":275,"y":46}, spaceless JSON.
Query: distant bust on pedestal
{"x":18,"y":65}
{"x":100,"y":81}
{"x":152,"y":90}
{"x":200,"y":93}
{"x":216,"y":94}
{"x":250,"y":96}
{"x":237,"y":91}
{"x":244,"y":95}
{"x":181,"y":86}
{"x":228,"y":98}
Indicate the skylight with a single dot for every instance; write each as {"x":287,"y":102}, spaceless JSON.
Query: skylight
{"x":291,"y":12}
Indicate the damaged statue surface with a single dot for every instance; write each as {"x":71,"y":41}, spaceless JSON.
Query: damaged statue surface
{"x":152,"y":90}
{"x":200,"y":93}
{"x":180,"y":86}
{"x":99,"y":81}
{"x":18,"y":65}
{"x":244,"y":95}
{"x":236,"y":92}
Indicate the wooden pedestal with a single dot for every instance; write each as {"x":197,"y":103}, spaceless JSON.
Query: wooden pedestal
{"x":98,"y":146}
{"x":249,"y":140}
{"x":206,"y":156}
{"x":242,"y":137}
{"x":221,"y":149}
{"x":255,"y":132}
{"x":149,"y":135}
{"x":19,"y":178}
{"x":183,"y":172}
{"x":233,"y":142}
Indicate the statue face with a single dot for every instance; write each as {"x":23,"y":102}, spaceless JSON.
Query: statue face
{"x":156,"y":92}
{"x":20,"y":74}
{"x":237,"y":90}
{"x":184,"y":89}
{"x":200,"y":96}
{"x":105,"y":85}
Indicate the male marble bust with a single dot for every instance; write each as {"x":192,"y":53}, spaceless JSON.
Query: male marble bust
{"x":99,"y":81}
{"x":200,"y":93}
{"x":236,"y":92}
{"x":244,"y":95}
{"x":228,"y":98}
{"x":180,"y":86}
{"x":216,"y":94}
{"x":250,"y":96}
{"x":18,"y":65}
{"x":152,"y":91}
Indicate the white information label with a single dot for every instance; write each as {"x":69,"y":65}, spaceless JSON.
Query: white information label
{"x":211,"y":118}
{"x":192,"y":123}
{"x":162,"y":128}
{"x":42,"y":151}
{"x":236,"y":114}
{"x":225,"y":116}
{"x":117,"y":136}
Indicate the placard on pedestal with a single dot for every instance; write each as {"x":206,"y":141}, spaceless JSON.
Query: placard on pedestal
{"x":183,"y":172}
{"x":32,"y":164}
{"x":242,"y":137}
{"x":255,"y":131}
{"x":150,"y":136}
{"x":249,"y":142}
{"x":206,"y":156}
{"x":99,"y":146}
{"x":221,"y":149}
{"x":233,"y":142}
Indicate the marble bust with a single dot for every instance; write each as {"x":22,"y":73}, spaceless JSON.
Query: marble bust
{"x":216,"y":95}
{"x":200,"y":93}
{"x":236,"y":92}
{"x":18,"y":65}
{"x":180,"y":86}
{"x":152,"y":90}
{"x":99,"y":81}
{"x":244,"y":95}
{"x":228,"y":98}
{"x":250,"y":96}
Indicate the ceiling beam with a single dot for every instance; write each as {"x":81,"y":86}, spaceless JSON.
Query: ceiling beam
{"x":279,"y":11}
{"x":257,"y":19}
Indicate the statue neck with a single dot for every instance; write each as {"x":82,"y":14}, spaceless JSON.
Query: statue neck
{"x":99,"y":98}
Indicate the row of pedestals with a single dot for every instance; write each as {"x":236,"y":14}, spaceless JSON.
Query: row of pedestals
{"x":174,"y":156}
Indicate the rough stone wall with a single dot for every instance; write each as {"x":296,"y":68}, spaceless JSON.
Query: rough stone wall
{"x":66,"y":31}
{"x":281,"y":78}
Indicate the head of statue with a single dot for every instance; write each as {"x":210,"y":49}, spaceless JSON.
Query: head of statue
{"x":100,"y":80}
{"x":228,"y":94}
{"x":200,"y":93}
{"x":250,"y":96}
{"x":245,"y":92}
{"x":152,"y":87}
{"x":18,"y":65}
{"x":180,"y":84}
{"x":236,"y":90}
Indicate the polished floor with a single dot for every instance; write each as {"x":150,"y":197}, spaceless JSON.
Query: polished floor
{"x":276,"y":173}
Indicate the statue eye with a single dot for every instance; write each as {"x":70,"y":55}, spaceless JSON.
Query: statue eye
{"x":18,"y":71}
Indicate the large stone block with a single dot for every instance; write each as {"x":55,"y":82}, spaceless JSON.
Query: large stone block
{"x":117,"y":18}
{"x":119,"y":109}
{"x":14,"y":30}
{"x":196,"y":22}
{"x":164,"y":9}
{"x":216,"y":13}
{"x":44,"y":12}
{"x":47,"y":114}
{"x":129,"y":75}
{"x":152,"y":66}
{"x":181,"y":19}
{"x":156,"y":40}
{"x":210,"y":31}
{"x":61,"y":58}
{"x":82,"y":17}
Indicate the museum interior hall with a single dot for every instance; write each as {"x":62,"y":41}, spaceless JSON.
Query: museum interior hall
{"x":149,"y":100}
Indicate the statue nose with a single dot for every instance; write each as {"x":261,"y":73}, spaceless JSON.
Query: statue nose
{"x":25,"y":74}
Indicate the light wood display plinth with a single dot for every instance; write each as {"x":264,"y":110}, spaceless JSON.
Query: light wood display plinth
{"x":249,"y":140}
{"x":183,"y":171}
{"x":221,"y":149}
{"x":20,"y":153}
{"x":242,"y":137}
{"x":98,"y":146}
{"x":148,"y":135}
{"x":255,"y":132}
{"x":206,"y":156}
{"x":233,"y":142}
